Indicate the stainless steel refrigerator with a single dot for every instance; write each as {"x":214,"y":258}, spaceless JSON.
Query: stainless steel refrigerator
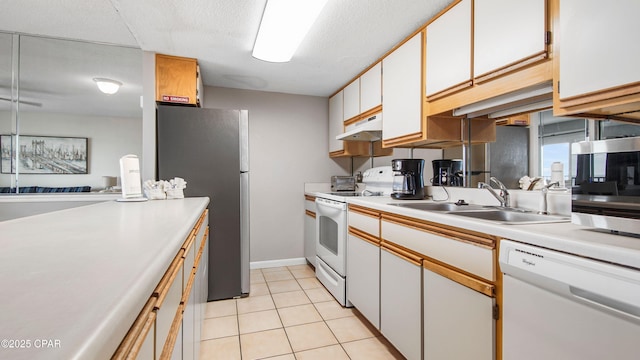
{"x":209,"y":149}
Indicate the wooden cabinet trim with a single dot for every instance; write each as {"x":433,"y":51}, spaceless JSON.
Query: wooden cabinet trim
{"x":310,"y":198}
{"x":606,"y":94}
{"x":167,"y":349}
{"x":534,"y":74}
{"x":401,"y":252}
{"x":310,"y":213}
{"x":136,"y":332}
{"x":169,"y":277}
{"x":450,"y":90}
{"x":135,"y":350}
{"x":402,"y":139}
{"x":453,"y":233}
{"x":462,"y":279}
{"x":364,"y":211}
{"x":364,"y":236}
{"x":511,"y":67}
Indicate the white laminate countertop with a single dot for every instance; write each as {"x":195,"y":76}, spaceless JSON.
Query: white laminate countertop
{"x":73,"y":281}
{"x":566,"y":237}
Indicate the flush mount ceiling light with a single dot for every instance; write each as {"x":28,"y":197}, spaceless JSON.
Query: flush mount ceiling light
{"x":107,"y":86}
{"x":284,"y":24}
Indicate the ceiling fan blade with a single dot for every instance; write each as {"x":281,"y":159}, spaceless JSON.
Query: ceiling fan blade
{"x":32,"y":103}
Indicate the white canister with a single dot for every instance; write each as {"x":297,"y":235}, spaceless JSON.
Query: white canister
{"x":557,"y":173}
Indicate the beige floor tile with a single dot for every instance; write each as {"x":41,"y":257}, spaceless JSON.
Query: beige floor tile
{"x":310,"y":336}
{"x":351,"y":328}
{"x":259,"y":321}
{"x":333,"y":352}
{"x":303,"y":273}
{"x":259,"y":289}
{"x":309,"y":283}
{"x":319,"y":295}
{"x":227,"y":348}
{"x":256,"y":278}
{"x":272,"y":269}
{"x":283,"y":286}
{"x":292,"y":298}
{"x":298,"y":267}
{"x":278,"y":276}
{"x":298,"y":315}
{"x":255,"y":271}
{"x":283,"y":357}
{"x":220,"y":308}
{"x":371,"y":349}
{"x":219,"y":327}
{"x":264,"y":344}
{"x":333,"y":310}
{"x":255,"y":303}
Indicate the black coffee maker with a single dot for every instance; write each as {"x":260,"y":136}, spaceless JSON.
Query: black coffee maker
{"x":408,"y":183}
{"x":447,"y":172}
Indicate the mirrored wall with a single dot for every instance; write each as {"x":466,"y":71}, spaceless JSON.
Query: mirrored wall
{"x":57,"y":129}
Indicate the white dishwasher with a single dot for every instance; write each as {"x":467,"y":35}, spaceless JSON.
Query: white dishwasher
{"x":562,"y":306}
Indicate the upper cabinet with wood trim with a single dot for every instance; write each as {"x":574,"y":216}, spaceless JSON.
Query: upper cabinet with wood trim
{"x":351,"y":100}
{"x":177,"y":80}
{"x":371,"y":89}
{"x":448,"y":50}
{"x":506,"y":35}
{"x":402,"y":93}
{"x":597,"y":51}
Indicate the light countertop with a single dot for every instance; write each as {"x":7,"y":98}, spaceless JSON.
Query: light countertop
{"x":567,"y":237}
{"x":77,"y":278}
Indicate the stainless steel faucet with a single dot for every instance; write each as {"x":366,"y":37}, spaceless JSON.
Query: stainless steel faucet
{"x":503,"y":197}
{"x":545,"y":190}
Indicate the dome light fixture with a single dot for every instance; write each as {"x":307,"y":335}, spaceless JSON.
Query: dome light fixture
{"x":284,"y":25}
{"x":107,"y":86}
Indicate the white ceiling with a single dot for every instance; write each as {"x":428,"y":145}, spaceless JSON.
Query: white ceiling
{"x":348,"y":36}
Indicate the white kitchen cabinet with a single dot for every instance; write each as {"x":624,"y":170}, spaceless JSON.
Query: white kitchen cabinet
{"x":448,"y":50}
{"x":507,"y":33}
{"x":336,"y":121}
{"x":310,"y":230}
{"x":371,"y":88}
{"x":363,"y":272}
{"x":402,"y":91}
{"x":458,"y":321}
{"x":598,"y":46}
{"x":351,"y":100}
{"x":401,"y":302}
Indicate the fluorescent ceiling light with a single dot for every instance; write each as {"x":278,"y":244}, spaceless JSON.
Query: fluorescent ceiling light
{"x":107,"y":86}
{"x":284,"y":24}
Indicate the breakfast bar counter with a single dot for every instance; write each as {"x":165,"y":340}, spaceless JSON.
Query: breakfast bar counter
{"x":73,"y":281}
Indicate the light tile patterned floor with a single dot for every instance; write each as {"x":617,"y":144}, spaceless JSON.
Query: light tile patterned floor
{"x":289,"y":315}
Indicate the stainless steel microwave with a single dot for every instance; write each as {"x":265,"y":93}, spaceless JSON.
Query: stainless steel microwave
{"x":606,"y":186}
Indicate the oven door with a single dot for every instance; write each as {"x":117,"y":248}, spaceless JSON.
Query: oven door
{"x":331,"y":233}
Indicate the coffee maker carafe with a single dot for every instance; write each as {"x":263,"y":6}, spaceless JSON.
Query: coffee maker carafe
{"x":408,"y":183}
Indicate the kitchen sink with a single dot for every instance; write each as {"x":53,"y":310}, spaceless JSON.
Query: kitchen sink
{"x":512,"y":217}
{"x":440,"y":206}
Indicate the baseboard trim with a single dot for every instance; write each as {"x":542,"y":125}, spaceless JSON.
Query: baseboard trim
{"x":276,"y":263}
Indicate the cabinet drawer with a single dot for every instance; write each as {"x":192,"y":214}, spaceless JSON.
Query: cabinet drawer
{"x":365,"y":223}
{"x":310,"y":204}
{"x":167,"y":306}
{"x":467,"y":256}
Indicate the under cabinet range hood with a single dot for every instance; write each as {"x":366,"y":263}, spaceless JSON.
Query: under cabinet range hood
{"x":531,"y":99}
{"x":369,"y":129}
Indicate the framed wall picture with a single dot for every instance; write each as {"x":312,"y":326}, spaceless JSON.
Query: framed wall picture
{"x":43,"y":154}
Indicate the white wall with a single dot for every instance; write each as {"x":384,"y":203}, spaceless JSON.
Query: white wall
{"x":108,"y":139}
{"x":287,"y":147}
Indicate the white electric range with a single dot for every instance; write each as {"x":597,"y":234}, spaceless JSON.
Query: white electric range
{"x":331,"y":229}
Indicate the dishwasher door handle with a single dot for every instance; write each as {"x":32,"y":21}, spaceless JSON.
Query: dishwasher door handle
{"x":606,"y":302}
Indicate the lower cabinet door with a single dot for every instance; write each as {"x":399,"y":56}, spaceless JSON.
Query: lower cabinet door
{"x":458,"y":321}
{"x":310,"y":238}
{"x":401,"y":303}
{"x":363,"y":274}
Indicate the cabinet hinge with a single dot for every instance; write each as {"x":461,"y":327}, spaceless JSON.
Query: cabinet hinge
{"x":496,"y":312}
{"x":547,"y":38}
